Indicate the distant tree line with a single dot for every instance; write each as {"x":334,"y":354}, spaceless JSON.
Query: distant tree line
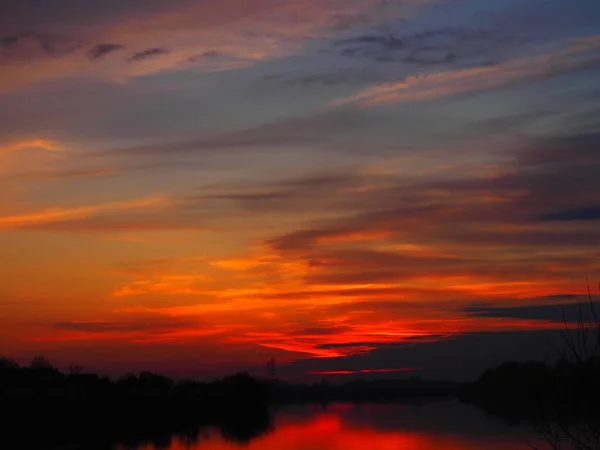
{"x":79,"y":407}
{"x":560,"y":400}
{"x":41,"y":403}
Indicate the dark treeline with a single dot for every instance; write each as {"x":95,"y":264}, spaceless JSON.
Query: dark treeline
{"x":42,"y":406}
{"x":391,"y":390}
{"x":560,"y":400}
{"x":537,"y":390}
{"x":46,"y":406}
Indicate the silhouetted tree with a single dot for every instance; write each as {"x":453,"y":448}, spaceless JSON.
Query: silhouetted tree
{"x":143,"y":408}
{"x":40,"y":362}
{"x":75,"y":369}
{"x":574,"y":422}
{"x":561,"y":400}
{"x":7,"y":363}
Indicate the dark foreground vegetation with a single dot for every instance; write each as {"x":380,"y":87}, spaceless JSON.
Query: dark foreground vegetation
{"x":44,"y":408}
{"x":560,"y":400}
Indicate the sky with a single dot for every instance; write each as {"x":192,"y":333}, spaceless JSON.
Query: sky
{"x":346,"y":186}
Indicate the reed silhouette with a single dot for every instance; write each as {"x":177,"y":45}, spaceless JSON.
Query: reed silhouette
{"x":561,"y":401}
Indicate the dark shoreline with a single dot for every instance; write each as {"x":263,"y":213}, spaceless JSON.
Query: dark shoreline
{"x":44,"y":408}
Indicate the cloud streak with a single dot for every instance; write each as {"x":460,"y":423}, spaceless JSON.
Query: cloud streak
{"x":148,"y":54}
{"x":101,"y":50}
{"x":58,"y":214}
{"x":152,"y":329}
{"x":579,"y":53}
{"x":41,"y":144}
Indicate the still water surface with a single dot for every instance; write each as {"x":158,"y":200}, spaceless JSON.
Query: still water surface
{"x":446,"y":425}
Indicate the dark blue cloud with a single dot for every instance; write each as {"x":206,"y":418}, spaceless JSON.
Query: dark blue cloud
{"x":587,"y":213}
{"x":548,"y":312}
{"x":147,"y":54}
{"x":431,"y":47}
{"x":100,"y":50}
{"x":379,"y":345}
{"x":30,"y":44}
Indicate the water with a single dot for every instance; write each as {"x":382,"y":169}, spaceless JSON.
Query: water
{"x":446,"y":425}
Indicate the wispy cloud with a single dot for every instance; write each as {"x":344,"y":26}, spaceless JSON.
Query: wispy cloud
{"x":586,"y":213}
{"x":578,"y":308}
{"x":30,"y":45}
{"x":447,"y":46}
{"x":101,"y":50}
{"x":59,"y":214}
{"x":149,"y":53}
{"x":149,"y":329}
{"x":246,"y":33}
{"x":579,"y":53}
{"x":188,"y":284}
{"x":42,"y":144}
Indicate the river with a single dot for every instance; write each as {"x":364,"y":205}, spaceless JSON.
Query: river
{"x":446,"y":425}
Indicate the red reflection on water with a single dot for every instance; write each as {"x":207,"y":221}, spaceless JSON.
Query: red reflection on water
{"x":326,"y":431}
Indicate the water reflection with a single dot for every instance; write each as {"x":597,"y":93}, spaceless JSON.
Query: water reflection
{"x":441,"y":425}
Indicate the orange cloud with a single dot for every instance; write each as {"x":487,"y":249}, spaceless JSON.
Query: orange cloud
{"x":38,"y":143}
{"x":50,"y":215}
{"x":165,"y":284}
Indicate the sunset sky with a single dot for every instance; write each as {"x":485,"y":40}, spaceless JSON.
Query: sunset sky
{"x":347,"y":186}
